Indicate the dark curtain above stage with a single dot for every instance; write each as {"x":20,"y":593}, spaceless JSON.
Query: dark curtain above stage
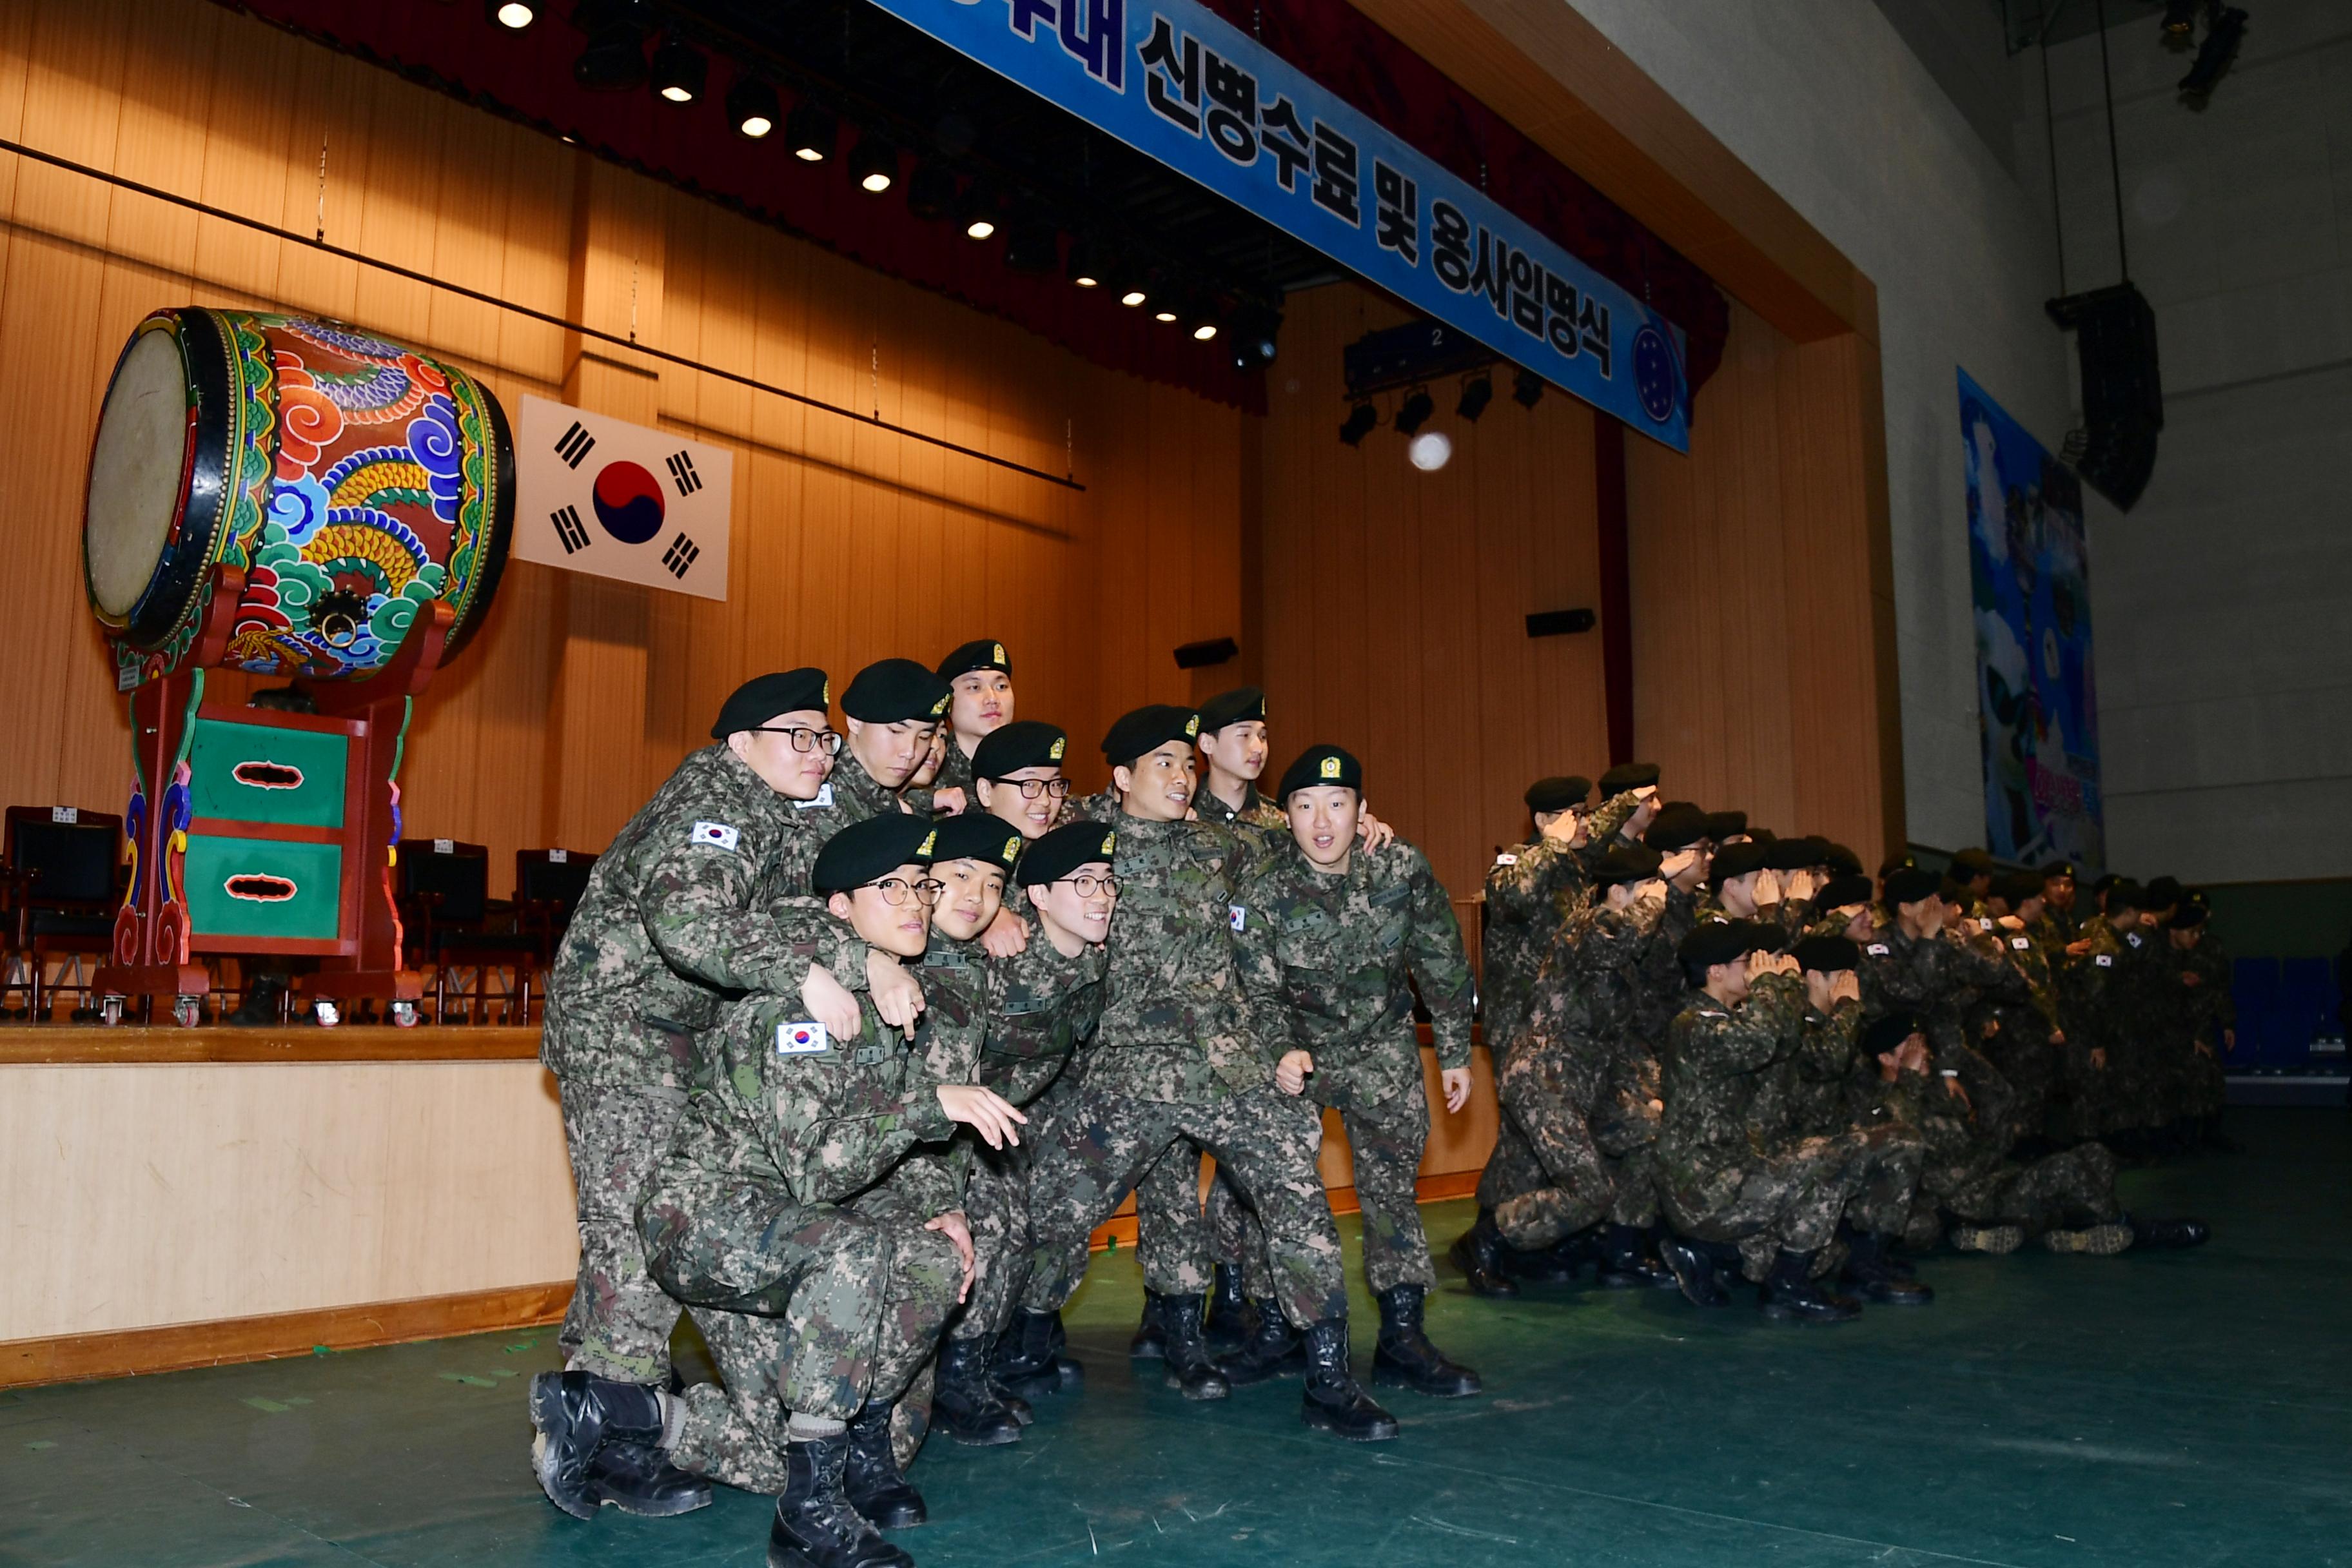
{"x":530,"y":74}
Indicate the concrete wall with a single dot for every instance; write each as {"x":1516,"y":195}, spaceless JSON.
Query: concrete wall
{"x":1828,"y":104}
{"x":2222,"y":603}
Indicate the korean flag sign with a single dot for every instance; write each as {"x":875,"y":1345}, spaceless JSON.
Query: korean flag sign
{"x":596,"y":494}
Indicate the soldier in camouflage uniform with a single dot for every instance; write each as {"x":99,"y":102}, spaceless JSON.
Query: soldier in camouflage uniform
{"x":1912,"y":961}
{"x":981,"y":677}
{"x":1339,"y":941}
{"x":894,"y":710}
{"x":2207,"y":1020}
{"x":2117,"y":995}
{"x":818,"y":1246}
{"x":673,"y":918}
{"x":1723,"y":1181}
{"x":1181,"y":1052}
{"x":2021,"y":1037}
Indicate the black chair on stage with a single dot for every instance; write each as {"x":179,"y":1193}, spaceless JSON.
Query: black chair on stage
{"x":450,"y":921}
{"x":60,"y":882}
{"x":549,"y":884}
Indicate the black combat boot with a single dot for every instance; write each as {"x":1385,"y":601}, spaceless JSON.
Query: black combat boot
{"x":1626,"y":1263}
{"x":964,"y":1404}
{"x":1871,"y":1269}
{"x":576,"y":1414}
{"x":2173,"y":1233}
{"x":639,"y":1478}
{"x":1024,"y":1360}
{"x":1790,"y":1295}
{"x":1402,"y":1356}
{"x":1069,"y":1376}
{"x":870,"y":1477}
{"x":1228,"y":1323}
{"x":1478,"y":1252}
{"x":1272,"y":1350}
{"x":816,"y":1525}
{"x":1333,"y":1402}
{"x":1190,"y":1369}
{"x":1015,"y":1406}
{"x":1693,"y":1270}
{"x":1150,"y":1341}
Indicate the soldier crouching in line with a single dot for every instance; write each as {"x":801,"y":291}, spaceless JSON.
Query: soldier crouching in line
{"x":808,"y":1216}
{"x":674,"y":917}
{"x":1335,"y":939}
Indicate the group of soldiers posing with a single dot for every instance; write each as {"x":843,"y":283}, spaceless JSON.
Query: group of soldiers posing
{"x":855,"y":1051}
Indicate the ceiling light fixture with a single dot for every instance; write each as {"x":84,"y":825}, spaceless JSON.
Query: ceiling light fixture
{"x":810,"y":131}
{"x":1414,"y":412}
{"x":680,"y":71}
{"x":1527,"y":389}
{"x":873,"y":163}
{"x":1360,"y":420}
{"x":1475,"y":396}
{"x":752,"y":106}
{"x":512,"y":15}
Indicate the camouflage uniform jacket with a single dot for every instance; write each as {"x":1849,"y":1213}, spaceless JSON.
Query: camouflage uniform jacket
{"x":1336,"y":959}
{"x":1824,"y":1087}
{"x":1722,"y":1076}
{"x":2208,"y":1004}
{"x":675,"y":918}
{"x":858,"y":794}
{"x":1176,"y":1027}
{"x":1587,"y":994}
{"x":2115,"y":993}
{"x":824,"y":1123}
{"x":1661,"y":993}
{"x":1531,"y":891}
{"x":1037,"y":1007}
{"x":1256,"y":811}
{"x":1938,"y":976}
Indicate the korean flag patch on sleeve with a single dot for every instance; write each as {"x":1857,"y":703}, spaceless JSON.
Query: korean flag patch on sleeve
{"x":2019,"y":942}
{"x":1237,"y":915}
{"x":1876,"y":950}
{"x":801,"y":1039}
{"x":2106,"y":961}
{"x":718,"y":835}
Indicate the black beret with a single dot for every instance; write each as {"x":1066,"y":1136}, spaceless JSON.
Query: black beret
{"x":1676,"y":827}
{"x":1628,"y":775}
{"x":1971,"y":864}
{"x":1889,"y":1030}
{"x":2059,"y":868}
{"x":1231,"y":708}
{"x":2189,"y":915}
{"x":1843,"y":891}
{"x":1827,"y":954}
{"x":2017,"y":886}
{"x":2107,"y":881}
{"x":1320,"y":765}
{"x":976,"y":836}
{"x":2164,"y":893}
{"x":1736,"y":861}
{"x":866,"y":851}
{"x":1840,"y":859}
{"x":1023,"y":744}
{"x":1909,"y":885}
{"x":1147,"y":730}
{"x":1893,"y":864}
{"x":2127,"y":894}
{"x":1056,"y":853}
{"x":1562,"y":792}
{"x":981,"y":653}
{"x":1762,"y":835}
{"x":1722,"y":825}
{"x":1792,"y":855}
{"x":892,"y":691}
{"x":1721,"y":942}
{"x":1626,"y":863}
{"x":763,"y":697}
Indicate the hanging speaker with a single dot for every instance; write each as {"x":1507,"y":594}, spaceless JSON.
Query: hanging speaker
{"x":2123,"y":391}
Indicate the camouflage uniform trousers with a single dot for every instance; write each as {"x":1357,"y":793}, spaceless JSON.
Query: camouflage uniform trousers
{"x":1513,"y":1168}
{"x":1175,"y":1239}
{"x":1101,"y":1146}
{"x":1789,"y":1199}
{"x":1385,"y":1142}
{"x":811,"y":1307}
{"x":2073,"y":1188}
{"x":1625,"y":1130}
{"x":619,"y":1322}
{"x":996,"y":1207}
{"x":1544,"y":1093}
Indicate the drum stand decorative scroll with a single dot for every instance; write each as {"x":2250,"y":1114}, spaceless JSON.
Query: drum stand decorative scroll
{"x":274,"y":834}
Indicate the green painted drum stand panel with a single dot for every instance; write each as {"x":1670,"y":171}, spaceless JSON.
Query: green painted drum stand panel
{"x":263,"y":887}
{"x":258,"y":772}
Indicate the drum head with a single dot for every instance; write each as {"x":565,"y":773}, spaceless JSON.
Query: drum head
{"x":136,"y":473}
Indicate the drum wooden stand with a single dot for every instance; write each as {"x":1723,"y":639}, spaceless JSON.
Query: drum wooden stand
{"x":154,"y":936}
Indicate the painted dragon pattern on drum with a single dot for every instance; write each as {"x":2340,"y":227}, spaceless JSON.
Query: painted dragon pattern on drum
{"x":363,"y":483}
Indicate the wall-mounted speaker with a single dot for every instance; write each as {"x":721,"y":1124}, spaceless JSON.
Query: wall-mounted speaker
{"x":2123,"y":391}
{"x":1560,"y":622}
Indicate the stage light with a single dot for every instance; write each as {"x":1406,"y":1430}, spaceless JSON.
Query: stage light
{"x":614,"y":60}
{"x":976,"y":211}
{"x":2213,"y":57}
{"x":873,"y":163}
{"x":1202,"y":330}
{"x":1475,"y":396}
{"x":1360,"y":420}
{"x":810,"y":131}
{"x":1251,"y":332}
{"x":1163,"y":314}
{"x":1131,"y":291}
{"x":1527,"y":389}
{"x":752,"y":106}
{"x":512,"y":13}
{"x":1414,"y":412}
{"x":1430,"y":450}
{"x":1085,"y":263}
{"x":1031,"y":244}
{"x":680,"y":71}
{"x":932,"y":192}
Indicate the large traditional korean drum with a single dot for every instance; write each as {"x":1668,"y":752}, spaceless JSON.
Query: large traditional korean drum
{"x":352,"y":480}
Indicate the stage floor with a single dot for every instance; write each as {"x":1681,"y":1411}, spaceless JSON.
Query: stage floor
{"x":2178,"y":1408}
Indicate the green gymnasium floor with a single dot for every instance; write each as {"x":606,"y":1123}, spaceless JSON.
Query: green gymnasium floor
{"x":2178,"y":1408}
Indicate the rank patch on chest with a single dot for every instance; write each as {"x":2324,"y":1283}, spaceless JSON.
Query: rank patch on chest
{"x":1877,"y":949}
{"x":2133,"y":938}
{"x":718,"y":835}
{"x":822,"y":797}
{"x":1507,"y":858}
{"x":806,"y":1039}
{"x":1236,"y":915}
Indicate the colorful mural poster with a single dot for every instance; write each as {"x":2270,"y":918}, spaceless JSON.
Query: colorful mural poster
{"x":2030,"y":563}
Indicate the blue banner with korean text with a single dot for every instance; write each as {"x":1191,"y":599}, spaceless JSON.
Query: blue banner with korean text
{"x":1178,"y":83}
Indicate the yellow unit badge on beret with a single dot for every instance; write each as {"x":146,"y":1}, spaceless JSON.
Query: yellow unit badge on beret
{"x":928,"y":840}
{"x":1331,"y":767}
{"x":1054,"y":751}
{"x":938,"y":708}
{"x":1012,"y":849}
{"x":1110,"y":843}
{"x":999,"y":648}
{"x":1192,"y":727}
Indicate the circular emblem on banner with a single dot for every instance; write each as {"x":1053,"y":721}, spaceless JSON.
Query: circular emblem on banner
{"x":628,"y":502}
{"x":1653,"y":374}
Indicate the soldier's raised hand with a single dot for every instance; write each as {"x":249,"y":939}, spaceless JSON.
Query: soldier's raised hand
{"x":985,"y":1111}
{"x":1007,"y":935}
{"x":828,"y":1001}
{"x":896,"y":996}
{"x":1376,"y":834}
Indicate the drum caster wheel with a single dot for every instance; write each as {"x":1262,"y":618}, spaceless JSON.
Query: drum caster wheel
{"x":404,"y":1014}
{"x":188,"y":1012}
{"x":325,"y":1013}
{"x":109,"y":1010}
